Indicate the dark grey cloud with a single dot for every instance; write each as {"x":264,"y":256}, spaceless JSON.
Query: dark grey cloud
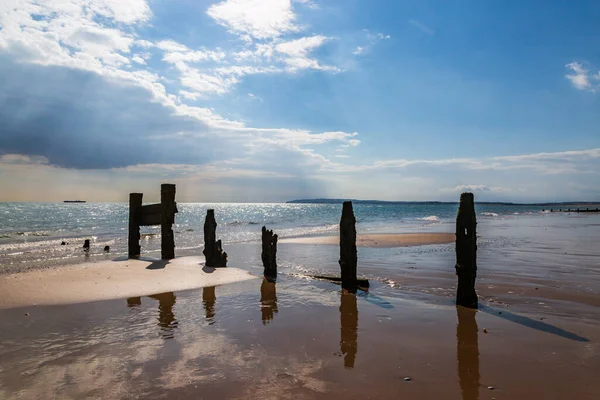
{"x":78,"y":119}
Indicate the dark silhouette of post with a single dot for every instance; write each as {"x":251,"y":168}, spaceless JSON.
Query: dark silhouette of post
{"x":134,"y":301}
{"x":166,"y":317}
{"x":466,"y":252}
{"x":348,"y":253}
{"x":167,"y":219}
{"x":269,"y":253}
{"x":213,"y":251}
{"x":348,"y":328}
{"x":467,"y":353}
{"x":135,"y":219}
{"x":268,"y":301}
{"x":86,"y":245}
{"x":208,"y":301}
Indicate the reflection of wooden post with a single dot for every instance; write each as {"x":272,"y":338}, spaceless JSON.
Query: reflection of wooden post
{"x":134,"y":301}
{"x":208,"y":300}
{"x":269,"y":253}
{"x":135,"y":218}
{"x":268,"y":300}
{"x":349,"y":328}
{"x":467,"y":353}
{"x":167,"y":218}
{"x":166,"y":317}
{"x":348,"y":255}
{"x":466,"y":252}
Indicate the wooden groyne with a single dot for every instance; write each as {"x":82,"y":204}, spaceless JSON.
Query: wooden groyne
{"x":162,"y":214}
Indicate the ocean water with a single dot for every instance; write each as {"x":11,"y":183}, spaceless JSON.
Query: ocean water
{"x":31,"y":233}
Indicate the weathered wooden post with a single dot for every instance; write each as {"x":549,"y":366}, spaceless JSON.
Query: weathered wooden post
{"x":269,"y":254}
{"x":348,"y":254}
{"x":168,"y":209}
{"x":466,"y":252}
{"x":135,"y":219}
{"x":213,"y":251}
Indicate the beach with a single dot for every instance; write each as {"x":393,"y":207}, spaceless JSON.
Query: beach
{"x":179,"y":330}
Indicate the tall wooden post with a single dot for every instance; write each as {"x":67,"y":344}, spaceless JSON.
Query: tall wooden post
{"x":466,"y":252}
{"x":348,"y":254}
{"x":269,"y":254}
{"x":213,"y":251}
{"x":135,"y":219}
{"x":168,"y":209}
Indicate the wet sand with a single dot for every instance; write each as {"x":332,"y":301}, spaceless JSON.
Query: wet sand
{"x":105,"y":280}
{"x":296,"y":339}
{"x":535,"y":336}
{"x":381,"y":240}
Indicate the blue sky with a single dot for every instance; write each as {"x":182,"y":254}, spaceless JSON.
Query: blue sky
{"x":269,"y":100}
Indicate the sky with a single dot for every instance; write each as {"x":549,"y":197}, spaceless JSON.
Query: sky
{"x":273,"y":100}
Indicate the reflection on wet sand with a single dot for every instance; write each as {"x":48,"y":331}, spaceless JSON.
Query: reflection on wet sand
{"x":349,"y":328}
{"x":134,"y":301}
{"x":208,"y":301}
{"x":268,"y":301}
{"x":166,"y":318}
{"x":467,"y":349}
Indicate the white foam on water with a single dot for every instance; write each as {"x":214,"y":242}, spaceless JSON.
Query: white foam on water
{"x":431,"y":218}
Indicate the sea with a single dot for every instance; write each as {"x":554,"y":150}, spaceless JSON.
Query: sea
{"x":32,"y":234}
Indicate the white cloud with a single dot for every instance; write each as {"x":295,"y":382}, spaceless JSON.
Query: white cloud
{"x":467,"y":188}
{"x":300,"y":47}
{"x":581,"y":77}
{"x":370,"y":40}
{"x":259,"y":19}
{"x":255,"y":97}
{"x":138,"y":59}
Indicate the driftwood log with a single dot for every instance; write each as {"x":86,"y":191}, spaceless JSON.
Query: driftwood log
{"x":269,"y":253}
{"x":213,"y":251}
{"x":348,"y":252}
{"x":466,"y":252}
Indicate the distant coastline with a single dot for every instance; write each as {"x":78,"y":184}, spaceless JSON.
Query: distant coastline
{"x":340,"y":201}
{"x":74,"y":201}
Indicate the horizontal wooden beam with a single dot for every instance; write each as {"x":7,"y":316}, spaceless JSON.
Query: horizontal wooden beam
{"x":151,"y":214}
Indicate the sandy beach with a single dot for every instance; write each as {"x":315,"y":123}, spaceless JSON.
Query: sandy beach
{"x":116,"y":279}
{"x":130,"y":329}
